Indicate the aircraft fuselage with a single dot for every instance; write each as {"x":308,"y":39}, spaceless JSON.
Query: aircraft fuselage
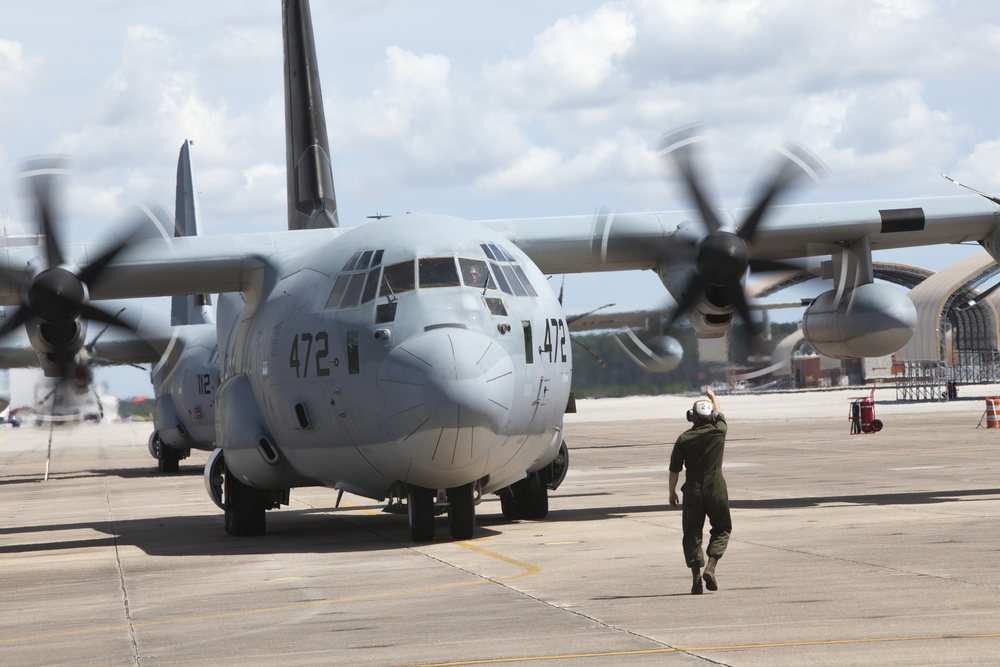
{"x":412,"y":351}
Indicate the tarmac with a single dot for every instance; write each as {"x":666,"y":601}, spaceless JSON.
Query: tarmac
{"x":864,"y":549}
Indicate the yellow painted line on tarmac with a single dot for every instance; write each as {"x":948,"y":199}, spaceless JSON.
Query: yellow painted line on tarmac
{"x":527,"y":570}
{"x":702,"y":649}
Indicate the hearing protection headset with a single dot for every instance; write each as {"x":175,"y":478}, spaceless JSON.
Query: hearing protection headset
{"x":711,"y":415}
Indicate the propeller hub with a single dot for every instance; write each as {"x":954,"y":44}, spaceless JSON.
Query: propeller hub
{"x":57,"y":296}
{"x":722,"y":258}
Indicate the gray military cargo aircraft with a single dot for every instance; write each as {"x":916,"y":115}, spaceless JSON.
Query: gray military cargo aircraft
{"x":186,"y":377}
{"x":424,"y":356}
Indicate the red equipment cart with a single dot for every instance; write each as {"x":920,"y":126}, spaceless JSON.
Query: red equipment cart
{"x":862,"y":414}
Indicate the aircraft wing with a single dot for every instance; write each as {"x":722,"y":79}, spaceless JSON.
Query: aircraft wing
{"x":570,"y":244}
{"x":190,"y":265}
{"x":632,"y":241}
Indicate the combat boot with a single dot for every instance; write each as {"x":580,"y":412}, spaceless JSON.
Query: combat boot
{"x":696,"y":587}
{"x":710,"y":582}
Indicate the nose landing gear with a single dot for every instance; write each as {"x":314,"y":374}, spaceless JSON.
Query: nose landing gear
{"x":422,"y":508}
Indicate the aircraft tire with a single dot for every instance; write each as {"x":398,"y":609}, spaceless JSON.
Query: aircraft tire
{"x":170,"y":459}
{"x":462,"y":512}
{"x":420,"y":510}
{"x":154,"y":445}
{"x":215,"y":478}
{"x":531,"y":497}
{"x":245,"y":508}
{"x":508,"y":503}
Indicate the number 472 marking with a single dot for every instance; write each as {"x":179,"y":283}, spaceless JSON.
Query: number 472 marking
{"x":300,"y":362}
{"x":554,"y":344}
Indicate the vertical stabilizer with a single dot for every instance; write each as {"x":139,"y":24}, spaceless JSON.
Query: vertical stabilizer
{"x":312,"y":203}
{"x":196,"y":308}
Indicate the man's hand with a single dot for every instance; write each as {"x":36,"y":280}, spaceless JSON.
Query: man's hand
{"x":710,"y":393}
{"x":674,"y":500}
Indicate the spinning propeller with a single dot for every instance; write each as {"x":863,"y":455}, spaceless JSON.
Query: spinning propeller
{"x":57,"y":295}
{"x":720,"y":258}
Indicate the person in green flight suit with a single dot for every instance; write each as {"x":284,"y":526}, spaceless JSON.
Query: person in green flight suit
{"x":700,"y":450}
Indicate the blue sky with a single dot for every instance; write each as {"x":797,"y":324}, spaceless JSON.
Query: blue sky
{"x":488,"y":110}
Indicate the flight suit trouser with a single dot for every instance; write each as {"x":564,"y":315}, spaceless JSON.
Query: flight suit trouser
{"x":705,"y":498}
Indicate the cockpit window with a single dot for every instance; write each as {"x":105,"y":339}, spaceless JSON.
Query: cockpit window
{"x":366,"y":257}
{"x":507,"y":273}
{"x":515,"y":284}
{"x":353,"y":292}
{"x":524,"y":280}
{"x":397,"y":278}
{"x":496,"y":306}
{"x":371,"y":285}
{"x":352,"y":262}
{"x":337,"y":293}
{"x":500,"y":278}
{"x":438,"y":272}
{"x":474,"y":272}
{"x":347,"y":288}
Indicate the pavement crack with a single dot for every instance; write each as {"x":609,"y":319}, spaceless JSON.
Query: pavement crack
{"x":121,"y":576}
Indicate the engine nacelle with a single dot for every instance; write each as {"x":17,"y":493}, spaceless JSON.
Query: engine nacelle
{"x":867,"y":321}
{"x":712,"y":315}
{"x":710,"y":325}
{"x":47,"y":338}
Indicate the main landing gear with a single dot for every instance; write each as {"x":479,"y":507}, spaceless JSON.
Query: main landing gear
{"x":529,"y":498}
{"x":526,"y":499}
{"x":167,"y":458}
{"x":245,"y":506}
{"x":421,"y":508}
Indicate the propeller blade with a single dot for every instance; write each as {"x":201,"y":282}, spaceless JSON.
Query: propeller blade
{"x":769,"y":265}
{"x":92,"y":271}
{"x":740,"y":304}
{"x":796,"y":163}
{"x":41,"y":174}
{"x":680,"y":249}
{"x":95,"y":314}
{"x":679,"y":145}
{"x":689,"y":297}
{"x":718,"y":260}
{"x":589,"y":351}
{"x":93,"y":343}
{"x":979,"y":297}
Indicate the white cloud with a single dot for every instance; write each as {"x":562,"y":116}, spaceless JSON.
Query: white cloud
{"x":243,"y":46}
{"x":16,"y":68}
{"x":576,"y":60}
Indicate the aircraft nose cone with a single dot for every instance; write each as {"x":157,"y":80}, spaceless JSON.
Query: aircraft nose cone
{"x":447,"y":394}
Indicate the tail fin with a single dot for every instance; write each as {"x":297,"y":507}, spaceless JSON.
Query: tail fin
{"x":312,"y":203}
{"x":196,"y":308}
